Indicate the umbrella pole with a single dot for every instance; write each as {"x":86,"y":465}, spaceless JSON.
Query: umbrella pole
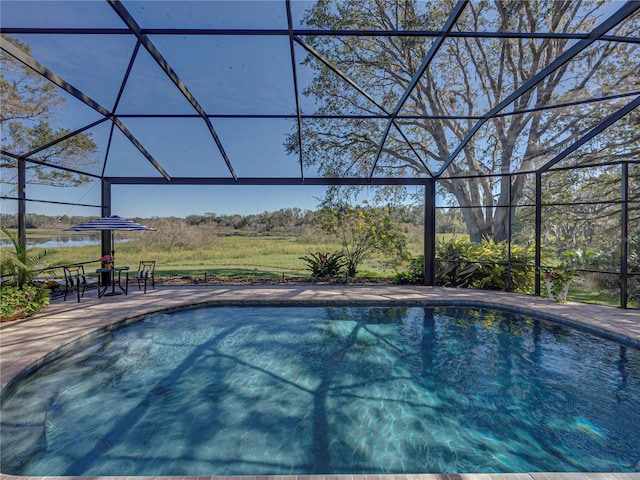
{"x":106,"y":242}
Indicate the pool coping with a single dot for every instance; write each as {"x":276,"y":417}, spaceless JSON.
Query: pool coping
{"x":26,"y":344}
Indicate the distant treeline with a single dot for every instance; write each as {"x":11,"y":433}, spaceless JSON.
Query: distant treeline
{"x":36,"y":220}
{"x":290,"y":219}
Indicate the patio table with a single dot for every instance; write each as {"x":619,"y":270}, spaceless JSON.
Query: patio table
{"x":108,"y":278}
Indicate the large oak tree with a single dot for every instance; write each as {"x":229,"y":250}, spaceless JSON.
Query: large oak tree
{"x":468,"y":76}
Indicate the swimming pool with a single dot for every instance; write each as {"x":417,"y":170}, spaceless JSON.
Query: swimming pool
{"x":222,"y":390}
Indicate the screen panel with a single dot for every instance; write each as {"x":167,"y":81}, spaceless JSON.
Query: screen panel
{"x":94,"y":64}
{"x":8,"y":214}
{"x":529,"y":17}
{"x":450,"y":223}
{"x":582,"y":185}
{"x":233,"y":74}
{"x":340,"y":147}
{"x":229,"y":14}
{"x":258,"y":147}
{"x":63,"y":187}
{"x":61,"y":13}
{"x":383,"y":66}
{"x":8,"y":177}
{"x":588,"y":236}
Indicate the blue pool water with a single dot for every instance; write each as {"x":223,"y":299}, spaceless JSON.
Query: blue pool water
{"x":229,"y":390}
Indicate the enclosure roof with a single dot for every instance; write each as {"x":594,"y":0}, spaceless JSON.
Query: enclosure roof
{"x":273,"y":91}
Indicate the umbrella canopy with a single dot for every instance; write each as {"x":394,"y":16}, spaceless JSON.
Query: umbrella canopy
{"x":109,"y":223}
{"x":112,"y":222}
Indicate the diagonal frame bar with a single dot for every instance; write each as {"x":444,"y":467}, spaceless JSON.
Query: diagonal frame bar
{"x":438,"y":42}
{"x":140,"y":147}
{"x":602,"y":126}
{"x":32,"y":63}
{"x":597,"y":33}
{"x":65,"y":137}
{"x":125,"y":78}
{"x":363,"y":92}
{"x":133,"y":26}
{"x":66,"y":86}
{"x":47,"y":164}
{"x":294,"y":72}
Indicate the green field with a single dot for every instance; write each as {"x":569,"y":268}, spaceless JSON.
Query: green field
{"x":223,"y":255}
{"x":248,"y":255}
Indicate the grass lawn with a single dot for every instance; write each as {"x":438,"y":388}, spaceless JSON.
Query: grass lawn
{"x":249,"y":256}
{"x":232,"y":255}
{"x":579,"y":294}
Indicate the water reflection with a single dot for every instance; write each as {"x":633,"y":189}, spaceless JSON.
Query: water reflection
{"x":61,"y":240}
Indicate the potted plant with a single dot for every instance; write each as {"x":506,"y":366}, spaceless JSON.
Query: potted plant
{"x":107,"y":261}
{"x":558,"y":279}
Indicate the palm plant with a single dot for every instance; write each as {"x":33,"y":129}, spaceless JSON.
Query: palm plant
{"x":21,"y":263}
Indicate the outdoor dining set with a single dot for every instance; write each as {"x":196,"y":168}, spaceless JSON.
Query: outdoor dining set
{"x":109,"y":276}
{"x":111,"y":280}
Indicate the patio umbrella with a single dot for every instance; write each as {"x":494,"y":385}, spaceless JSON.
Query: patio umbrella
{"x":109,"y":223}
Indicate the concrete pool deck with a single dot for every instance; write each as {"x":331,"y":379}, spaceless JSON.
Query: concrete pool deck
{"x":25,"y":344}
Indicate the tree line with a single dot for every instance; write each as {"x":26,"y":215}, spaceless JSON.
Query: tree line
{"x":289,"y":220}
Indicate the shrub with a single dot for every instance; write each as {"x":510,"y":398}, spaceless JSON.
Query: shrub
{"x":363,"y":230}
{"x":18,"y":302}
{"x":22,"y":298}
{"x":484,"y":265}
{"x":414,"y":272}
{"x":454,"y":270}
{"x":325,"y":265}
{"x":494,"y":274}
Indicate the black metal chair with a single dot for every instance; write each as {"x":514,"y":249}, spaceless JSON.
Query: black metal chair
{"x":145,"y":274}
{"x":76,"y":280}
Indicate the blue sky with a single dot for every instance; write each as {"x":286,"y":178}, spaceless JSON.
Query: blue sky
{"x":227,"y":75}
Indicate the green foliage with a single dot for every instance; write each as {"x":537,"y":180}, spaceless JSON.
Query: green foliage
{"x":22,"y":302}
{"x":634,"y":266}
{"x":325,"y":265}
{"x":414,"y":273}
{"x":493,"y":275}
{"x":21,"y":264}
{"x":285,"y":220}
{"x":30,"y":106}
{"x":484,"y":265}
{"x":363,"y":230}
{"x":455,"y":271}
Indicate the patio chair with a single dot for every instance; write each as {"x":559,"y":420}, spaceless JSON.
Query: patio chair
{"x":145,"y":274}
{"x":76,"y":280}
